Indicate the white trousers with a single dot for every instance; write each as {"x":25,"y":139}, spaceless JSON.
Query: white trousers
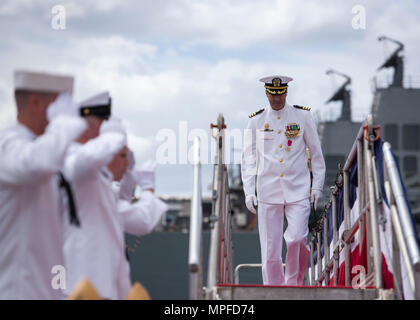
{"x":270,"y":227}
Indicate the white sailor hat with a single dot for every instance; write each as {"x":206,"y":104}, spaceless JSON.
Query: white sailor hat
{"x":98,"y":105}
{"x":276,"y":84}
{"x":42,"y":82}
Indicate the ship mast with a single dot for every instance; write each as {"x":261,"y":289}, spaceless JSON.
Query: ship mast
{"x":394,"y":61}
{"x":342,"y":94}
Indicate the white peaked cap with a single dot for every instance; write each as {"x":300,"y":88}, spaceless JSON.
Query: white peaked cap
{"x":269,"y":79}
{"x":99,"y":99}
{"x":42,"y":82}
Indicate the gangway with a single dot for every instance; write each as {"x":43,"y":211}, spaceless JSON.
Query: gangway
{"x":363,"y":247}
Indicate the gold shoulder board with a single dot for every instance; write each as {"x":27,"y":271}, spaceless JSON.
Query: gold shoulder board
{"x":302,"y":107}
{"x":255,"y":113}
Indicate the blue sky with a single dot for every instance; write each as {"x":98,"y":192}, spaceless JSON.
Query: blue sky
{"x":180,"y":60}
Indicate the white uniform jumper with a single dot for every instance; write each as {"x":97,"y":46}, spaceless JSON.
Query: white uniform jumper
{"x":96,"y":250}
{"x":31,"y":234}
{"x":276,"y":166}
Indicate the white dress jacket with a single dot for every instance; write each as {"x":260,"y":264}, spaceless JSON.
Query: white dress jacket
{"x":275,"y":165}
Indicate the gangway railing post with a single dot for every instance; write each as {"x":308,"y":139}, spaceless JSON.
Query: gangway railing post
{"x":326,"y":249}
{"x":195,"y":237}
{"x":360,"y":192}
{"x":346,"y":226}
{"x":401,"y":221}
{"x":335,"y":238}
{"x":318,"y":259}
{"x":368,"y":221}
{"x":312,"y":262}
{"x":213,"y":269}
{"x":377,"y":255}
{"x":396,"y":252}
{"x":220,"y":268}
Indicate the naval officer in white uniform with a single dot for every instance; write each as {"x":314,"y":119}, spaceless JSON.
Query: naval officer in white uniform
{"x":32,"y":151}
{"x":276,"y":177}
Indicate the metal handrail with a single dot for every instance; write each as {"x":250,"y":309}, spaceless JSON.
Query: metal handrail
{"x":377,"y":255}
{"x":195,"y":238}
{"x":338,"y":245}
{"x":245,"y":265}
{"x":400,"y":215}
{"x":370,"y":217}
{"x":220,"y":268}
{"x":362,"y":150}
{"x":404,"y":212}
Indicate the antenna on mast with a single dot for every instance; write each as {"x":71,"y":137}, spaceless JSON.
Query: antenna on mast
{"x":342,"y":94}
{"x":395,"y":61}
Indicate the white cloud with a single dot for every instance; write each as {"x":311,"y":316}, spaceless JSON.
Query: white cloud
{"x":11,"y":7}
{"x":142,"y":147}
{"x":7,"y":104}
{"x":73,"y":8}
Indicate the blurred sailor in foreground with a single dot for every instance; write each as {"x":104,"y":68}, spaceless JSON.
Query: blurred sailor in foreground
{"x":96,"y":250}
{"x":274,"y":164}
{"x":31,"y":154}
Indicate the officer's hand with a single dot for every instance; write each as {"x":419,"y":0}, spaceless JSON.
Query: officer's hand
{"x":63,"y":117}
{"x":316,"y":195}
{"x":145,"y":177}
{"x":250,"y":202}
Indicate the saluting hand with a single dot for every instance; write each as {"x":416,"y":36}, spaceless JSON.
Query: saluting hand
{"x":62,"y":106}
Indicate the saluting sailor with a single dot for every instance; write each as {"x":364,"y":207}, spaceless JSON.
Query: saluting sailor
{"x":276,"y":177}
{"x":32,"y":151}
{"x":90,"y":249}
{"x":96,"y":250}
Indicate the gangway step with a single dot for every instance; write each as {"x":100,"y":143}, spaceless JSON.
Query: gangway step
{"x":258,"y":292}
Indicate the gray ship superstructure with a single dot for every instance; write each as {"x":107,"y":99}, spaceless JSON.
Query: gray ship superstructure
{"x":337,"y":136}
{"x":396,"y":108}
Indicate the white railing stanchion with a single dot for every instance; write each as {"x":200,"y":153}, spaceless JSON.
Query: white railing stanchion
{"x":195,"y":239}
{"x":335,"y":238}
{"x":401,"y":222}
{"x":377,"y":255}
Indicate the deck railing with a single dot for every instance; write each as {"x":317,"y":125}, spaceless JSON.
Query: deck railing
{"x":369,"y":221}
{"x":196,"y":239}
{"x":220,"y":269}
